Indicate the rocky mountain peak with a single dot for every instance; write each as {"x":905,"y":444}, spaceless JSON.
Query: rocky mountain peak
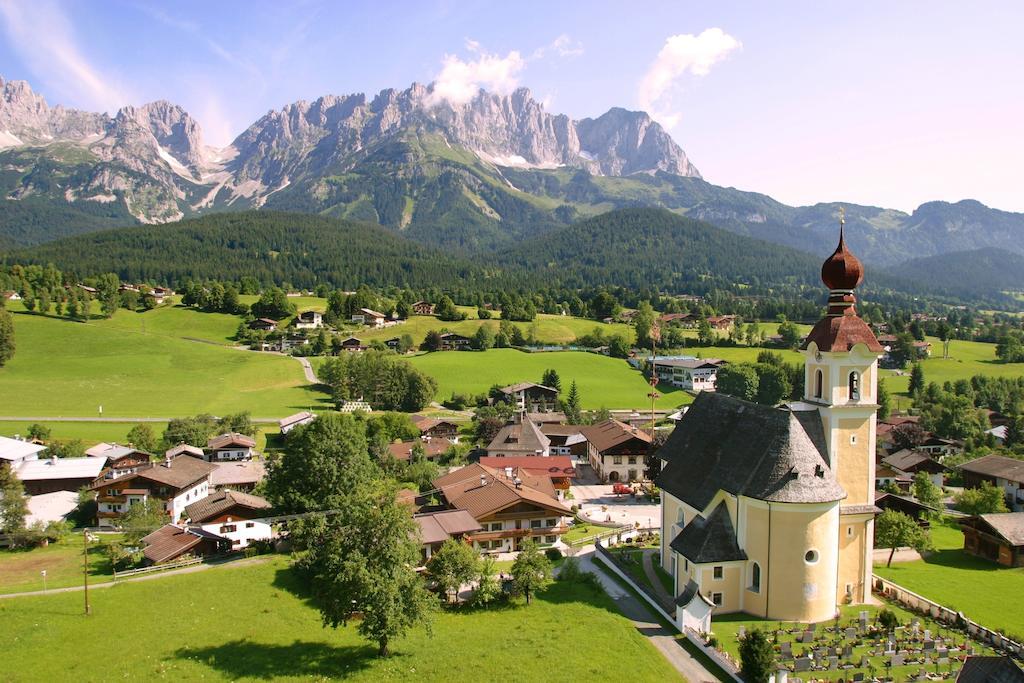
{"x":26,"y":118}
{"x":174,"y":131}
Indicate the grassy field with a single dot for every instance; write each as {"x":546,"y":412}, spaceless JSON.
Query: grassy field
{"x":257,"y":623}
{"x":88,"y":432}
{"x":602,"y":381}
{"x":949,"y":576}
{"x":62,"y":561}
{"x":65,"y":368}
{"x":966,"y":359}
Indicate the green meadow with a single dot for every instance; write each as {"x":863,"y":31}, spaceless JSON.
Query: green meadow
{"x":257,"y":622}
{"x":966,"y":359}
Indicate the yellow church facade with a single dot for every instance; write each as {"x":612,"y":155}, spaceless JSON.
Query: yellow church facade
{"x":770,"y":510}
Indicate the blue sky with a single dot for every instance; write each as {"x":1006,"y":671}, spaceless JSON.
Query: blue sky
{"x":891,"y":104}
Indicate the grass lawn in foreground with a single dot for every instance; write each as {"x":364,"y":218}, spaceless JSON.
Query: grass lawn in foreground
{"x":65,"y":368}
{"x":982,"y":590}
{"x":602,"y":381}
{"x":62,"y":561}
{"x":256,"y":622}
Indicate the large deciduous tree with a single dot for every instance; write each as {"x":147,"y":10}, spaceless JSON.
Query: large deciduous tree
{"x":894,"y":529}
{"x":454,"y":564}
{"x":531,"y":570}
{"x":757,"y":658}
{"x":13,"y":503}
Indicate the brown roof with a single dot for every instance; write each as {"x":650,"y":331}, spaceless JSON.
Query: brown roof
{"x":553,"y":466}
{"x":236,"y":473}
{"x":522,"y":386}
{"x":482,"y":491}
{"x":222,"y":501}
{"x":183,"y":448}
{"x":427,"y":423}
{"x":997,"y":466}
{"x":549,"y":429}
{"x":170,"y":541}
{"x":611,"y":433}
{"x":432,"y":448}
{"x":842,"y":333}
{"x":179,"y":473}
{"x":525,"y":437}
{"x":231,"y":439}
{"x":1009,"y":525}
{"x":908,"y":460}
{"x":438,"y":527}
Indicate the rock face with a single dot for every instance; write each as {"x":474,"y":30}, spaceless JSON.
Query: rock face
{"x":25,"y":118}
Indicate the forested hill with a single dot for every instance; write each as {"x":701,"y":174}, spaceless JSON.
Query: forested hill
{"x":273,"y":247}
{"x":978,"y":272}
{"x":644,"y":247}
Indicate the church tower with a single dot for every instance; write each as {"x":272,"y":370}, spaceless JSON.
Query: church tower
{"x":841,"y":378}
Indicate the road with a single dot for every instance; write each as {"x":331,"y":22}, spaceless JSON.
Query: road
{"x":308,"y":370}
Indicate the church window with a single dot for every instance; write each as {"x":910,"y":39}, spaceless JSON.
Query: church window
{"x":679,"y":517}
{"x":849,"y":531}
{"x":755,"y":578}
{"x":718,"y":572}
{"x":854,"y":386}
{"x":817,"y":383}
{"x":811,"y":556}
{"x":717,"y":599}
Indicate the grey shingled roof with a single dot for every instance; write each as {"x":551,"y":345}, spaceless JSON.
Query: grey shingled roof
{"x":1009,"y":525}
{"x":979,"y":669}
{"x":709,"y":540}
{"x":725,"y":443}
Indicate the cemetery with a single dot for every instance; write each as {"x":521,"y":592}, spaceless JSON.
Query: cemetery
{"x":864,"y":643}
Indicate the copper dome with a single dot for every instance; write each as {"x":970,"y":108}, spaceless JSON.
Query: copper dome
{"x":842,"y":270}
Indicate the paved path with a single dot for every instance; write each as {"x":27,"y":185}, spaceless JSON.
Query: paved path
{"x":660,"y":637}
{"x":881,"y":555}
{"x":652,"y":577}
{"x":147,"y":577}
{"x":308,"y":369}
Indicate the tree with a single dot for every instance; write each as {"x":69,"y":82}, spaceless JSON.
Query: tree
{"x":884,"y":401}
{"x":737,"y":380}
{"x":705,"y":335}
{"x":894,"y":529}
{"x":362,"y":562}
{"x":107,"y":292}
{"x":324,"y":461}
{"x":531,"y":570}
{"x":13,"y":503}
{"x":141,"y":519}
{"x":643,"y":324}
{"x":191,"y":430}
{"x":38,"y":432}
{"x":240,"y":423}
{"x":790,"y":335}
{"x":571,"y":406}
{"x":273,"y":303}
{"x":6,"y":335}
{"x":431,"y":342}
{"x":453,"y":565}
{"x":446,"y":310}
{"x":618,"y":347}
{"x":926,"y":492}
{"x":984,"y":500}
{"x":141,"y":436}
{"x":888,"y":620}
{"x":772,"y":384}
{"x":551,"y":379}
{"x":916,"y":380}
{"x":482,"y":339}
{"x":757,"y":658}
{"x":487,"y":587}
{"x":908,"y":435}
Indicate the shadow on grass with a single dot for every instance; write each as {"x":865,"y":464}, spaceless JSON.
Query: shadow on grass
{"x":246,"y":659}
{"x":958,"y":559}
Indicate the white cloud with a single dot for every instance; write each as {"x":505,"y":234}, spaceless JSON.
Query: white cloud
{"x":460,"y":80}
{"x":683,"y":53}
{"x":566,"y":47}
{"x":43,"y":36}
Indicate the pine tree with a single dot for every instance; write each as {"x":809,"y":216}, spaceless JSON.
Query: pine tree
{"x":884,"y":401}
{"x":916,"y":380}
{"x":571,"y":405}
{"x":13,"y":503}
{"x":6,"y":335}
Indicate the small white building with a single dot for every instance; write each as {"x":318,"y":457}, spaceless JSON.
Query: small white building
{"x":289,"y":423}
{"x":230,"y":446}
{"x":232,"y":515}
{"x":177,"y":483}
{"x":691,"y":374}
{"x":309,"y":320}
{"x":16,"y":452}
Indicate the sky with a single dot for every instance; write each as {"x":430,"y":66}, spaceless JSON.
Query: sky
{"x":880,"y":103}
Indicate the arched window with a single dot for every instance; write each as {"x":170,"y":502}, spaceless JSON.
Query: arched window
{"x":854,"y":386}
{"x":755,"y":578}
{"x":817,"y":383}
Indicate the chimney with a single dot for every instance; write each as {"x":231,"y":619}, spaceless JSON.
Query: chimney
{"x":508,"y":472}
{"x":53,"y":459}
{"x":483,"y":480}
{"x":519,"y":483}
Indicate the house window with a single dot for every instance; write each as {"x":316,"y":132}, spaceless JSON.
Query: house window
{"x":617,"y":460}
{"x":679,"y":517}
{"x":854,"y":386}
{"x":817,"y":383}
{"x":755,"y":578}
{"x":550,"y":522}
{"x":249,"y":525}
{"x":853,"y":438}
{"x":811,"y":556}
{"x":496,"y":526}
{"x":550,"y":539}
{"x":717,"y":599}
{"x":535,"y":523}
{"x":632,"y":460}
{"x":717,"y":572}
{"x":228,"y":528}
{"x":686,"y":565}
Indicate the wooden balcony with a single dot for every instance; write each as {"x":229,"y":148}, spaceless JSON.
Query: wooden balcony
{"x":518,"y":533}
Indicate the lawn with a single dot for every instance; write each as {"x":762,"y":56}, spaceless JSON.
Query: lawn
{"x":88,"y":432}
{"x":557,"y":329}
{"x":65,"y":368}
{"x":603,"y":381}
{"x":978,"y":588}
{"x":966,"y":359}
{"x":178,"y":322}
{"x":256,"y":622}
{"x":727,"y":626}
{"x":62,"y":561}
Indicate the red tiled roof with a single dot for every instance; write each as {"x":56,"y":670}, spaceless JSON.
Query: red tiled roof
{"x":842,"y":333}
{"x":554,"y":466}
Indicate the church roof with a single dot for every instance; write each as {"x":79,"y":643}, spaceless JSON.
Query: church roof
{"x":842,"y":333}
{"x":709,"y":540}
{"x":726,"y":443}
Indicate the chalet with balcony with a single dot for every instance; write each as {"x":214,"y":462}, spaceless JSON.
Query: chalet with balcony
{"x":998,"y":537}
{"x":451,"y":341}
{"x":171,"y":542}
{"x":691,"y":374}
{"x":176,"y":483}
{"x":998,"y":470}
{"x":233,"y":515}
{"x":616,"y":451}
{"x":508,"y":508}
{"x":263,"y":325}
{"x":437,"y":527}
{"x":909,"y":462}
{"x":433,"y":449}
{"x":121,"y":460}
{"x":531,"y":397}
{"x":437,"y":429}
{"x":309,"y":320}
{"x":230,"y":446}
{"x":423,"y":308}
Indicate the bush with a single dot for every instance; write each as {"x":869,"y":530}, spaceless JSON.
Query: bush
{"x":570,"y":570}
{"x":553,"y":554}
{"x":888,"y":620}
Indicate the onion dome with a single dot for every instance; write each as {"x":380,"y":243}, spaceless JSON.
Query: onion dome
{"x":842,"y":270}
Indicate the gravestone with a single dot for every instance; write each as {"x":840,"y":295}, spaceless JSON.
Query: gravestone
{"x":833,"y":663}
{"x":927,"y":634}
{"x":858,"y":677}
{"x":929,"y":645}
{"x":898,"y":659}
{"x":786,"y":648}
{"x":742,"y":631}
{"x":807,"y":637}
{"x":802,"y":664}
{"x":848,"y":650}
{"x":851,"y":633}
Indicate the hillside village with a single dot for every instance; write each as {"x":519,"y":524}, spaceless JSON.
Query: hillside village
{"x":747,"y":506}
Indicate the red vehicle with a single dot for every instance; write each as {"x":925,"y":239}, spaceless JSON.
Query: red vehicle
{"x":619,"y":488}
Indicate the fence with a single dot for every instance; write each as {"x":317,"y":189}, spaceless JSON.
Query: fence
{"x":587,"y":540}
{"x":158,"y":568}
{"x":724,"y":663}
{"x":912,"y":600}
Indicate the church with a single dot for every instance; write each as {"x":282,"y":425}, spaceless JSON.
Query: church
{"x":770,"y":510}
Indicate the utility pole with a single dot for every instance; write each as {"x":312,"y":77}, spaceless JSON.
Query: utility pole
{"x":85,"y":569}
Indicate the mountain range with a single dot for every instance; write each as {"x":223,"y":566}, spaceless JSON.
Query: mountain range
{"x":476,"y":177}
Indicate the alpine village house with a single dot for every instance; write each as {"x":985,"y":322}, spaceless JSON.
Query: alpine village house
{"x":770,"y":510}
